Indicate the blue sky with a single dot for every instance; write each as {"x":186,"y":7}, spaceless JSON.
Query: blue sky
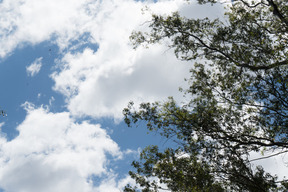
{"x":67,"y":69}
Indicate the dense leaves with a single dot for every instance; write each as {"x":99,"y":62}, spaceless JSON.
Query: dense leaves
{"x":238,"y":101}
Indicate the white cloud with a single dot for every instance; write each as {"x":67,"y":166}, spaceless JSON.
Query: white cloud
{"x":101,"y":83}
{"x":53,"y":153}
{"x":33,"y":21}
{"x":97,"y":86}
{"x":35,"y":67}
{"x":25,"y":22}
{"x":112,"y":185}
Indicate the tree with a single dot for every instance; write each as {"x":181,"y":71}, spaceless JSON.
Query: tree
{"x":238,"y":101}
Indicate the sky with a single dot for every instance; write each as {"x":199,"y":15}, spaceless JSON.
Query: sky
{"x":67,"y":70}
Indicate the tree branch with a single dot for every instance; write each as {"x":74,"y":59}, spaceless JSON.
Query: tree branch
{"x":277,"y":12}
{"x":260,"y":158}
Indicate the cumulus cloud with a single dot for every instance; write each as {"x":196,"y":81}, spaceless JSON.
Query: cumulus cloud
{"x":97,"y":89}
{"x":101,"y":83}
{"x":54,"y":153}
{"x":35,"y":67}
{"x":32,"y":22}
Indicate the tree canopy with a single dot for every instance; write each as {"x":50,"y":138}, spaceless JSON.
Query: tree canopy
{"x":238,"y":101}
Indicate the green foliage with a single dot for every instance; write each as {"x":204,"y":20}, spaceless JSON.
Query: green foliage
{"x":190,"y":173}
{"x":238,"y":101}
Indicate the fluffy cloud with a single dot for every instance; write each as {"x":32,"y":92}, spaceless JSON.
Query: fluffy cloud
{"x":101,"y":83}
{"x":53,"y":153}
{"x":35,"y":67}
{"x":97,"y":86}
{"x":32,"y":22}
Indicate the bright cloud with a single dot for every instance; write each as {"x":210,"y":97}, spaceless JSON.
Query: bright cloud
{"x":33,"y":21}
{"x":35,"y":67}
{"x":101,"y":83}
{"x":98,"y":87}
{"x":53,"y":153}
